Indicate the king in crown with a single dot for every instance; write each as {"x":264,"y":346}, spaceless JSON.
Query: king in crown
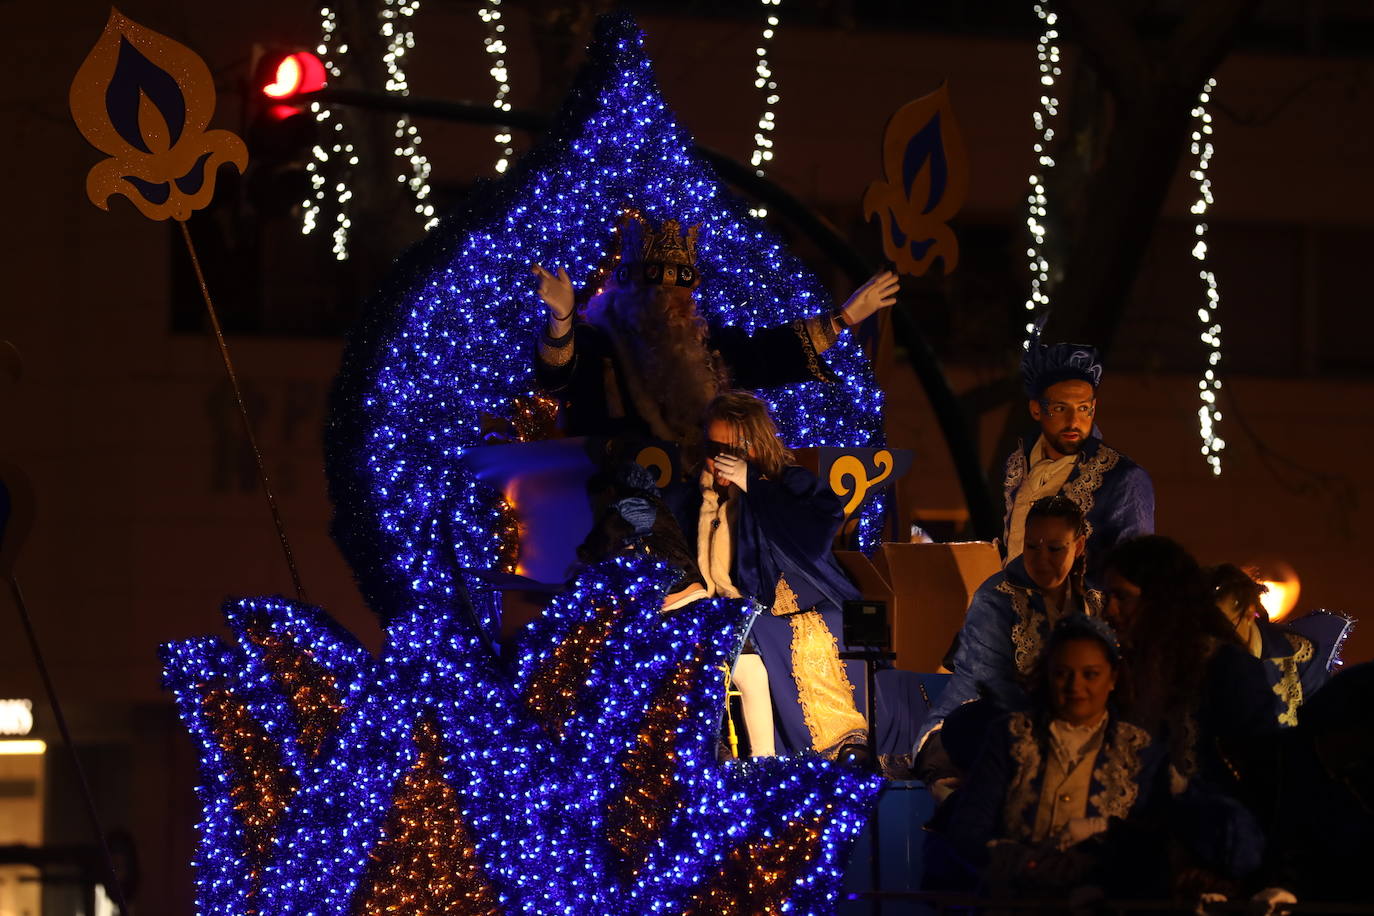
{"x":663,"y":258}
{"x":643,"y":362}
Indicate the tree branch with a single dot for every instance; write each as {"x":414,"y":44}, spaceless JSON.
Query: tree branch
{"x":1110,"y":43}
{"x":1203,"y":38}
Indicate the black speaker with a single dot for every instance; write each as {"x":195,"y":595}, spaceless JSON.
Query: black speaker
{"x":865,"y":624}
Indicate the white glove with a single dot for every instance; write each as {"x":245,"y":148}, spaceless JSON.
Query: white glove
{"x":878,"y":293}
{"x":733,"y":470}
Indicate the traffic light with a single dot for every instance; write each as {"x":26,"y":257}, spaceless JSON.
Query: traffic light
{"x":284,"y":74}
{"x":280,"y":133}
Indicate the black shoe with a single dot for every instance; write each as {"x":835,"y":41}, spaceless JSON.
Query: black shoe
{"x":857,"y":756}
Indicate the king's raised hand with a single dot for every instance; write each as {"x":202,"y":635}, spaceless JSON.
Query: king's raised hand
{"x":556,"y":292}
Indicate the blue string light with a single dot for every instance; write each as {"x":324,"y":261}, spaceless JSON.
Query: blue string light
{"x":540,"y":787}
{"x":448,"y":343}
{"x":432,"y":778}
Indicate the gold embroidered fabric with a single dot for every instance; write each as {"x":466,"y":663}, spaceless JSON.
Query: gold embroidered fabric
{"x":785,"y":600}
{"x":1025,"y":753}
{"x":1025,"y":626}
{"x":824,"y":691}
{"x":1082,"y":489}
{"x":821,"y":331}
{"x":1289,"y":686}
{"x":1118,"y":768}
{"x":555,"y":356}
{"x":801,"y":328}
{"x":1016,"y":472}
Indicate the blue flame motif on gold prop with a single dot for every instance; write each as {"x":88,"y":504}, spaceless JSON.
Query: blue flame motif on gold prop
{"x":145,"y":100}
{"x":927,"y":180}
{"x":584,"y":780}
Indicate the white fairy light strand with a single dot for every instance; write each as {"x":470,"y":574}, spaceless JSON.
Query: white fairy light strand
{"x":1047,"y":51}
{"x":1209,"y":386}
{"x":763,"y":71}
{"x":400,"y":39}
{"x":495,"y":43}
{"x":331,"y":53}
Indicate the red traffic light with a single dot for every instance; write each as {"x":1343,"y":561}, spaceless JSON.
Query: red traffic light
{"x":288,"y":74}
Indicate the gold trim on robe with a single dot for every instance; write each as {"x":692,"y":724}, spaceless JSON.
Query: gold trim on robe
{"x":555,"y":356}
{"x":824,"y":691}
{"x":1289,"y":686}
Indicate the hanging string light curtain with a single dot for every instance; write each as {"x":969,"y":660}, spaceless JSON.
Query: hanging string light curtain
{"x":1047,"y":51}
{"x":764,"y":81}
{"x":1209,"y":386}
{"x":334,"y":156}
{"x":495,"y":42}
{"x":394,"y":23}
{"x":332,"y":152}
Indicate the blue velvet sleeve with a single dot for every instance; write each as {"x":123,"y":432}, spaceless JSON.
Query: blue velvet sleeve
{"x":1133,"y":511}
{"x":795,"y":512}
{"x":984,"y":655}
{"x":1237,"y":700}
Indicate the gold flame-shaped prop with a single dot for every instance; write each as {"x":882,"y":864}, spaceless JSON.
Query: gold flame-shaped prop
{"x":851,"y":477}
{"x":145,"y":101}
{"x":927,"y":179}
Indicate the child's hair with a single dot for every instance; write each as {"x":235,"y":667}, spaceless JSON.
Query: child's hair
{"x":748,"y":414}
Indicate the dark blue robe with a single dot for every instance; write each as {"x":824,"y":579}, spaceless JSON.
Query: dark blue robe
{"x":1114,"y":492}
{"x":1000,"y":798}
{"x":594,"y":394}
{"x":784,"y":530}
{"x":1003,"y":634}
{"x":1299,"y":657}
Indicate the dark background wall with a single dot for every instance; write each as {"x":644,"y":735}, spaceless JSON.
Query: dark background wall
{"x":148,"y":512}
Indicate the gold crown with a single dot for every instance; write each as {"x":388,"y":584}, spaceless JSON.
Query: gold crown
{"x":663,"y":257}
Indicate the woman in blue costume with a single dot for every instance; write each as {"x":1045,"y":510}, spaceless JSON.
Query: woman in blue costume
{"x":762,"y":529}
{"x":1197,"y":690}
{"x":1003,"y":633}
{"x":1296,"y":664}
{"x":1057,"y":792}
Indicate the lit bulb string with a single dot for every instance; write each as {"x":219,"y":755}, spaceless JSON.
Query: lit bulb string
{"x":436,"y":353}
{"x":535,"y":807}
{"x":1209,"y":386}
{"x":496,"y":48}
{"x":443,"y":344}
{"x":332,"y":144}
{"x":764,"y":81}
{"x":333,"y":157}
{"x":1047,"y":52}
{"x":400,"y":39}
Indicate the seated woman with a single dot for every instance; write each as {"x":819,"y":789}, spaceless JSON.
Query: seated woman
{"x":1044,"y":806}
{"x":1007,"y":622}
{"x":763,"y":529}
{"x":1293,"y":664}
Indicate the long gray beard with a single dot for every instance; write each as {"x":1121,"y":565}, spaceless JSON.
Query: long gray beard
{"x":676,"y":371}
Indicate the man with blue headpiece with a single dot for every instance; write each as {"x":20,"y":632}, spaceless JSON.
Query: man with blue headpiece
{"x":1069,"y":457}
